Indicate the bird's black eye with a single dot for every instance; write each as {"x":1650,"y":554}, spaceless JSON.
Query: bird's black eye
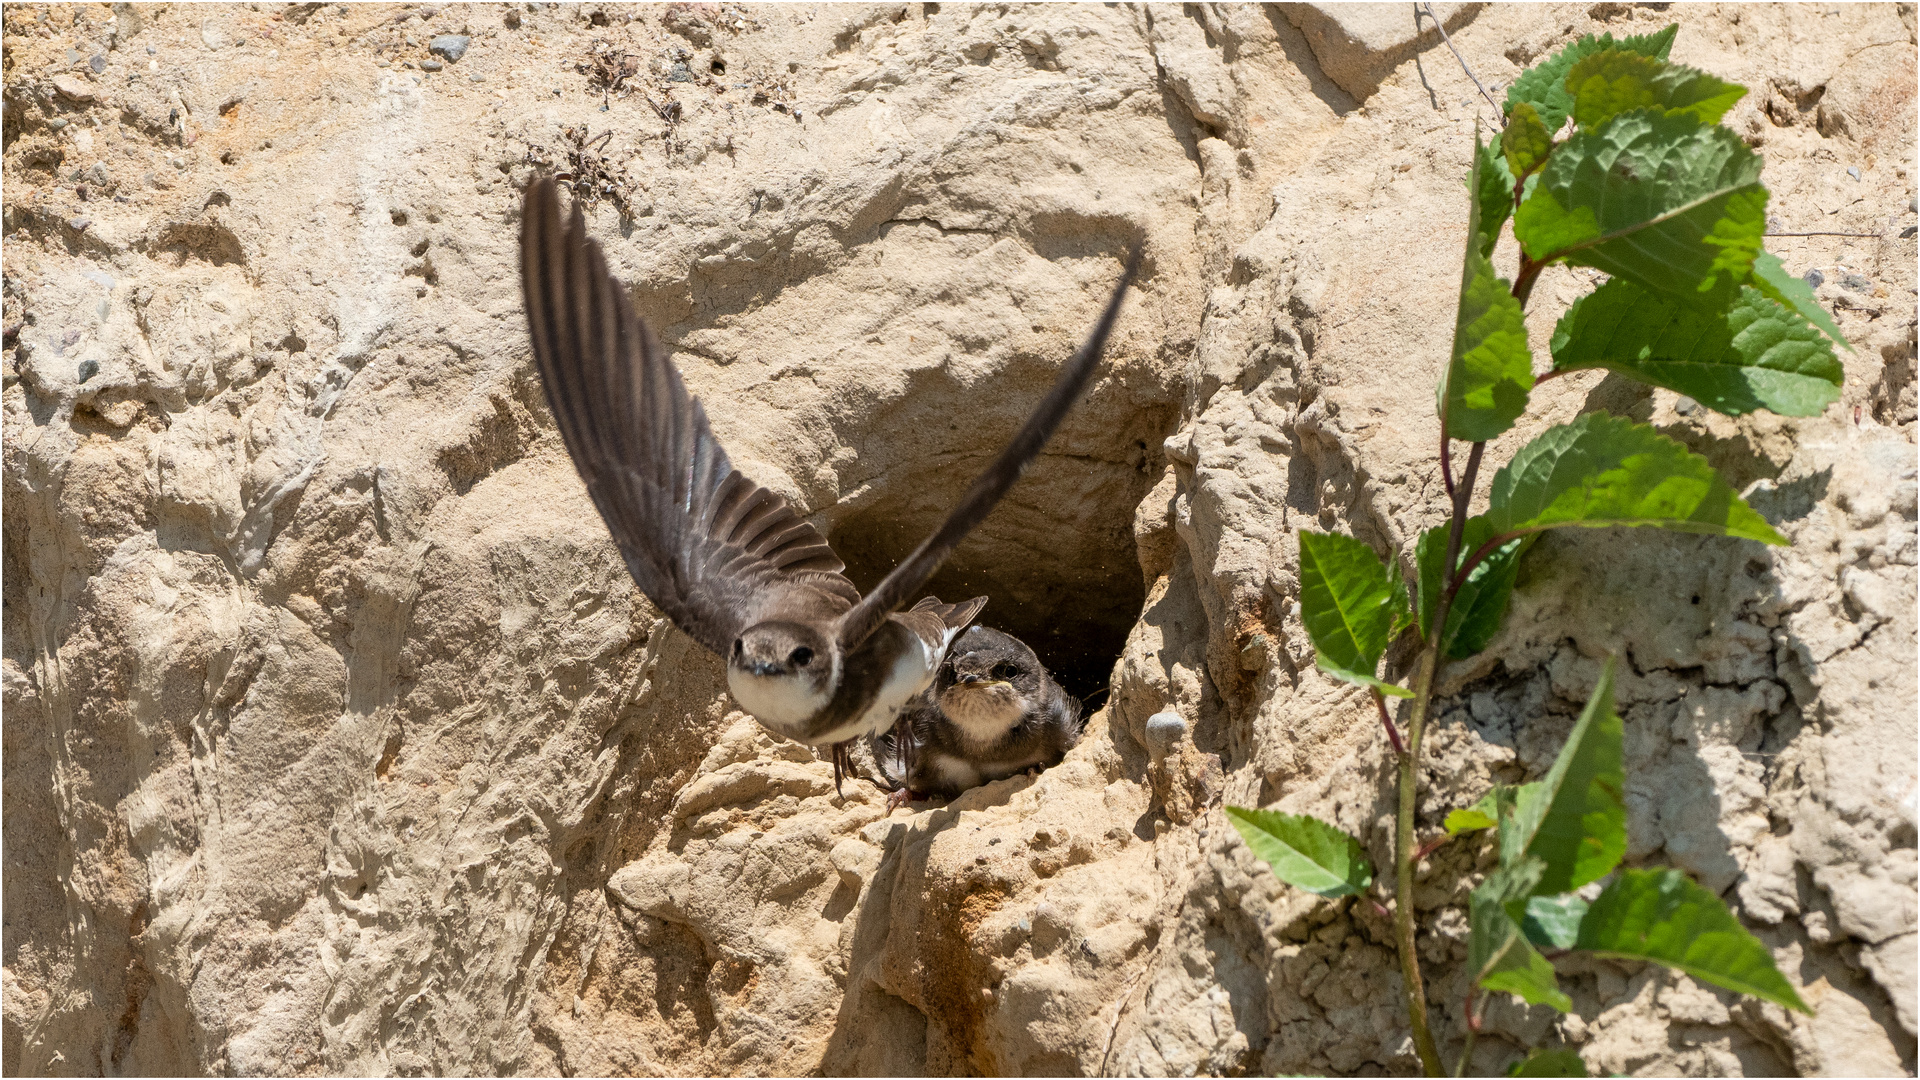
{"x":1005,"y":671}
{"x":738,"y":647}
{"x":800,"y":657}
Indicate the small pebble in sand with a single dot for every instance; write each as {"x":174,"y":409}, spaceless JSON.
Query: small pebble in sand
{"x":451,"y":46}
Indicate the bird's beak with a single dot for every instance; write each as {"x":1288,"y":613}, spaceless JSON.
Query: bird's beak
{"x":979,"y":681}
{"x":763,"y":668}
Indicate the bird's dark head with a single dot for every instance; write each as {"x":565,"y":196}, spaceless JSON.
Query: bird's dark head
{"x":782,"y":672}
{"x":989,"y":682}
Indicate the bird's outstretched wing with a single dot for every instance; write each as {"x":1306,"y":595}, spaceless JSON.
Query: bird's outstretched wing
{"x":716,"y":552}
{"x":912,"y":575}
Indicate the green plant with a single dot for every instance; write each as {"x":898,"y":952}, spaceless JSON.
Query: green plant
{"x":1612,"y":158}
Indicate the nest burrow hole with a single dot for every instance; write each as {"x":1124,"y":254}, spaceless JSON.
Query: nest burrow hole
{"x":1056,"y":559}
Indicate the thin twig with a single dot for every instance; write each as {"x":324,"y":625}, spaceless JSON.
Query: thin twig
{"x":1862,"y":235}
{"x":1120,"y":1007}
{"x":1444,"y":36}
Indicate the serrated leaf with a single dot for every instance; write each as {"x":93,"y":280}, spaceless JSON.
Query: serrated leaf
{"x":1600,"y":470}
{"x":1753,"y":354}
{"x":1492,"y":184}
{"x":1526,"y":142}
{"x":1549,"y":1063}
{"x":1772,"y":279}
{"x":1305,"y":852}
{"x":1553,"y":922}
{"x":1480,"y":604}
{"x":1615,"y":81}
{"x":1576,"y":824}
{"x":1664,"y":201}
{"x":1350,"y":602}
{"x":1498,"y":954}
{"x":1491,"y":370}
{"x":1544,"y":86}
{"x":1662,"y":916}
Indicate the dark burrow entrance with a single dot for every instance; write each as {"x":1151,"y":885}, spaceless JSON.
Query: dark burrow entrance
{"x":1056,"y":559}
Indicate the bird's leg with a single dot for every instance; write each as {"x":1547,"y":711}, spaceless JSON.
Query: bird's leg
{"x":903,"y":746}
{"x":842,"y":763}
{"x":900,"y":797}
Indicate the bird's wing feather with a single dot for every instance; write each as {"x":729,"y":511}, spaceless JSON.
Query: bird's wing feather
{"x":715,"y":551}
{"x":912,"y":574}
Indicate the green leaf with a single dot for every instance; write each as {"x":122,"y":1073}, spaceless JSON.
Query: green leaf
{"x":1473,"y":818}
{"x":1526,"y":142}
{"x":1549,"y":1063}
{"x":1553,"y":922}
{"x":1493,"y":185}
{"x":1662,"y":916}
{"x":1576,"y":824}
{"x":1600,"y":470}
{"x":1664,"y":201}
{"x":1305,"y":852}
{"x":1469,"y":820}
{"x":1350,"y":602}
{"x":1498,"y":954}
{"x":1754,"y":354}
{"x":1485,"y":388}
{"x":1481,"y":602}
{"x":1615,"y":81}
{"x":1772,"y":279}
{"x":1485,"y":814}
{"x":1544,"y":86}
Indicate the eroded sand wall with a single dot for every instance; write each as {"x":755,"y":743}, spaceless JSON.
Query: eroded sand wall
{"x":337,"y":738}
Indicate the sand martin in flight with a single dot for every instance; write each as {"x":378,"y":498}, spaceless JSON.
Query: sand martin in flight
{"x":728,"y":561}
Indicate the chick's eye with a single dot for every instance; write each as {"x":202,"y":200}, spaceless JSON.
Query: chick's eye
{"x":800,"y":657}
{"x":1005,"y":671}
{"x":738,"y":648}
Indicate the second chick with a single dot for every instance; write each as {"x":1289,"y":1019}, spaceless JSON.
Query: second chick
{"x":992,"y":711}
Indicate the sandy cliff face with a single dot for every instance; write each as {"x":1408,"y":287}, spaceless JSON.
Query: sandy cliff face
{"x":337,"y":738}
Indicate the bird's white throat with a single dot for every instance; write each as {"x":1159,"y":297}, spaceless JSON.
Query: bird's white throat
{"x":983,"y":713}
{"x":778,"y":701}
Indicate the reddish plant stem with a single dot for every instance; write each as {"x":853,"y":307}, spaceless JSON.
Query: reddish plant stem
{"x":1474,"y":560}
{"x":1473,"y":1030}
{"x":1393,"y":733}
{"x":1462,"y":495}
{"x":1523,"y":282}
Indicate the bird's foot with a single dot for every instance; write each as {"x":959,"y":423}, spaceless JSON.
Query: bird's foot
{"x":900,"y":797}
